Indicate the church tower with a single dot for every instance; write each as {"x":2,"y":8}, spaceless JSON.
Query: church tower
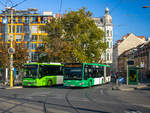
{"x":105,"y":24}
{"x":108,"y":29}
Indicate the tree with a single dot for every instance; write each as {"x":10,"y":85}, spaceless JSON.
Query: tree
{"x":4,"y":56}
{"x":20,"y":56}
{"x":74,"y":38}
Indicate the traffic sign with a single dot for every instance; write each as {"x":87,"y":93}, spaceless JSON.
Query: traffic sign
{"x":11,"y":50}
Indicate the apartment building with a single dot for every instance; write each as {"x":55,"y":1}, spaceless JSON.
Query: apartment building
{"x":26,"y":28}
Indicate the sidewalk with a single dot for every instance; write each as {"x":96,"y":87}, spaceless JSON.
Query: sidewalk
{"x":7,"y":86}
{"x":124,"y":87}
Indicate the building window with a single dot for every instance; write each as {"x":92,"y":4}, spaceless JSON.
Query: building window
{"x":19,"y":19}
{"x":34,"y":56}
{"x":14,"y":20}
{"x":41,"y":29}
{"x":111,"y":33}
{"x":18,"y":38}
{"x":10,"y":28}
{"x":2,"y":28}
{"x":19,"y":29}
{"x":41,"y":45}
{"x":26,"y":29}
{"x":107,"y":56}
{"x":107,"y":33}
{"x":107,"y":44}
{"x":110,"y":44}
{"x":34,"y":37}
{"x":26,"y":19}
{"x":34,"y":46}
{"x":34,"y":29}
{"x":26,"y":38}
{"x":35,"y":19}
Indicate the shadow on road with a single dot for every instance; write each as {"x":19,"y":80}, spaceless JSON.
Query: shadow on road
{"x":42,"y":102}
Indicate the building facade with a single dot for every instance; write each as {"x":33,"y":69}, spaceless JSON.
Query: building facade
{"x":141,"y":57}
{"x":128,"y":42}
{"x":105,"y":23}
{"x":26,"y":29}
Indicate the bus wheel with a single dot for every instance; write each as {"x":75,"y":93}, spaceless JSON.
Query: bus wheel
{"x":49,"y":83}
{"x":90,"y":83}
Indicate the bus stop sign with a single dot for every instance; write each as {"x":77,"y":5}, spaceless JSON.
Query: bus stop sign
{"x":11,"y":50}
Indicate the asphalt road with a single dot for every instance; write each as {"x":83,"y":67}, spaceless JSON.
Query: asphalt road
{"x":57,"y":99}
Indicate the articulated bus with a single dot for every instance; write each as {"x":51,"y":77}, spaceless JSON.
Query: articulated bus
{"x":42,"y":74}
{"x":86,"y":74}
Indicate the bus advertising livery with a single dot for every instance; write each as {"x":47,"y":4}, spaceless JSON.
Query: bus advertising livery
{"x":86,"y":74}
{"x":42,"y":74}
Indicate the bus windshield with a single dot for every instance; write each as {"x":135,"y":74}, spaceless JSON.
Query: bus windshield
{"x":50,"y":70}
{"x":30,"y":71}
{"x":73,"y":73}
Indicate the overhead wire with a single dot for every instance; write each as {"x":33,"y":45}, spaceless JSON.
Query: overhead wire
{"x":60,"y":7}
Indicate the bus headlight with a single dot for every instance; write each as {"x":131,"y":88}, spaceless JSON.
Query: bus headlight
{"x":82,"y":83}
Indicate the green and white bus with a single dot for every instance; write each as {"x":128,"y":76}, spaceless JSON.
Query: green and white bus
{"x":42,"y":74}
{"x":86,"y":74}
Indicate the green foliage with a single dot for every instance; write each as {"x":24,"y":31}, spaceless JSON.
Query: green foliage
{"x":74,"y":38}
{"x":19,"y":58}
{"x":4,"y":56}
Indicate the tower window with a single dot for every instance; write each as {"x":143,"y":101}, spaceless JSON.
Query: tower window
{"x":107,"y":33}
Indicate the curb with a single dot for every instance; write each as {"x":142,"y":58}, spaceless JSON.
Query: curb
{"x":126,"y":89}
{"x":123,"y":89}
{"x":140,"y":87}
{"x":16,"y":87}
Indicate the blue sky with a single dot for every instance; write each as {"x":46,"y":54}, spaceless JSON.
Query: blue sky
{"x":128,"y":16}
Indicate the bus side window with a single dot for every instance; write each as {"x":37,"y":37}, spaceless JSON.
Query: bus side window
{"x":94,"y":75}
{"x":90,"y":72}
{"x":100,"y":72}
{"x":107,"y":71}
{"x":86,"y":73}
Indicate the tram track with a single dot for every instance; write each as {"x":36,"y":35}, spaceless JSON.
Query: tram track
{"x":108,"y":102}
{"x":45,"y":110}
{"x":69,"y":102}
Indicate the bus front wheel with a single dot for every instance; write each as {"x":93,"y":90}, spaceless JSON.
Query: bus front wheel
{"x":90,"y":83}
{"x":49,"y":83}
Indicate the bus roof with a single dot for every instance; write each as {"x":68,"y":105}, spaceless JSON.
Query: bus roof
{"x":90,"y":64}
{"x":51,"y":63}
